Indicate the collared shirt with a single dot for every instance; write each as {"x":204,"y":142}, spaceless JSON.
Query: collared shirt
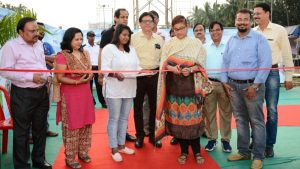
{"x":148,"y":50}
{"x":94,"y":52}
{"x":49,"y":51}
{"x":250,"y":52}
{"x":281,"y":49}
{"x":17,"y":54}
{"x":214,"y":58}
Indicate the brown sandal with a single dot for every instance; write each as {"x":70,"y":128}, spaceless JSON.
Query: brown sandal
{"x":85,"y":159}
{"x":199,"y":159}
{"x":182,"y":158}
{"x":73,"y":165}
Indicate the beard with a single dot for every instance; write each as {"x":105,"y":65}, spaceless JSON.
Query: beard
{"x":242,"y":30}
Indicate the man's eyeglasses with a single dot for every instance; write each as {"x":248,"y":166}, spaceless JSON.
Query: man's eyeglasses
{"x":32,"y":31}
{"x":179,"y":29}
{"x":147,"y":21}
{"x":198,"y":30}
{"x":215,"y":30}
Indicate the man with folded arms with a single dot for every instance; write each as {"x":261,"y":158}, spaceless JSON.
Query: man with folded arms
{"x":247,"y":50}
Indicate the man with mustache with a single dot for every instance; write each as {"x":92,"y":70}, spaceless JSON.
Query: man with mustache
{"x":247,"y":49}
{"x":281,"y":50}
{"x":29,"y":96}
{"x":199,"y":32}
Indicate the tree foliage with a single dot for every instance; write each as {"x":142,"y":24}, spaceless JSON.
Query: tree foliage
{"x":9,"y":22}
{"x":285,"y":12}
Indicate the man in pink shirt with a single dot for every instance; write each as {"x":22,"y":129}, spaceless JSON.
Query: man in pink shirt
{"x":29,"y":97}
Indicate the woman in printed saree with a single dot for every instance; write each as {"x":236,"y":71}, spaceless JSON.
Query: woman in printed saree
{"x":75,"y":108}
{"x":181,"y":91}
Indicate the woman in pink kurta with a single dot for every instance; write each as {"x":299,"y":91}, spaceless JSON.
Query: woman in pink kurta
{"x":75,"y":108}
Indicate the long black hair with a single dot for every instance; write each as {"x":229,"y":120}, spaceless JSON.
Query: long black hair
{"x":68,"y":37}
{"x":117,"y":33}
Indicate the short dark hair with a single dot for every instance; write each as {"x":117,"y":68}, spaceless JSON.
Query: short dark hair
{"x":68,"y":37}
{"x":197,"y":25}
{"x":116,"y":41}
{"x":154,"y":13}
{"x":211,"y":25}
{"x":41,"y":24}
{"x":22,"y":22}
{"x":244,"y":11}
{"x":118,"y":12}
{"x":145,"y":14}
{"x":179,"y":19}
{"x":266,"y":7}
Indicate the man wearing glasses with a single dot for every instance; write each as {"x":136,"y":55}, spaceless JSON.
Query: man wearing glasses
{"x":148,"y":46}
{"x":218,"y":98}
{"x":29,"y":96}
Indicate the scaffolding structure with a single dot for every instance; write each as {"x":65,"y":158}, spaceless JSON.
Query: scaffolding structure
{"x":166,"y":8}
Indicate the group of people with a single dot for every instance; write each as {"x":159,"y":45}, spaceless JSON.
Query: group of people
{"x":169,"y":72}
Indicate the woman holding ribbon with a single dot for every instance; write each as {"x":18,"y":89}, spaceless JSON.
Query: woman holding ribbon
{"x":119,"y":88}
{"x":181,"y":91}
{"x":75,"y":107}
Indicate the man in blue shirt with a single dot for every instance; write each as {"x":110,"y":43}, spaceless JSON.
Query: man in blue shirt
{"x":49,"y":56}
{"x":248,"y":52}
{"x":218,"y":98}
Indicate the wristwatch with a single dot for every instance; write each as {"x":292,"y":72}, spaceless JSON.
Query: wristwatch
{"x":255,"y":86}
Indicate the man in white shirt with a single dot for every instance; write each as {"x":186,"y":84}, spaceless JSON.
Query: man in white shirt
{"x":93,"y":50}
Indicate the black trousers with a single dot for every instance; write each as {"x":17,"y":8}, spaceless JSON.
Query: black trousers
{"x":98,"y":88}
{"x":145,"y":85}
{"x":184,"y":145}
{"x":29,"y":106}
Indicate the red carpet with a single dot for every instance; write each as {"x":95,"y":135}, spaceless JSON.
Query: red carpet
{"x":288,"y":115}
{"x":147,"y":157}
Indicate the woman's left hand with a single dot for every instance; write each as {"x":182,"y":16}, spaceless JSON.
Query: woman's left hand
{"x":119,"y":76}
{"x":186,"y":71}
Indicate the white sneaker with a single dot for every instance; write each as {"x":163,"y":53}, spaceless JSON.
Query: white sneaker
{"x":117,"y":157}
{"x":127,"y":151}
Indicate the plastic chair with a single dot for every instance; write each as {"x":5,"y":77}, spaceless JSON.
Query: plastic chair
{"x":5,"y":124}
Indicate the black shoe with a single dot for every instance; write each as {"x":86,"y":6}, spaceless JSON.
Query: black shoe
{"x":174,"y":141}
{"x":130,"y":138}
{"x":42,"y":165}
{"x":269,"y":152}
{"x":139,"y":142}
{"x":251,"y":146}
{"x":156,"y":144}
{"x":51,"y":134}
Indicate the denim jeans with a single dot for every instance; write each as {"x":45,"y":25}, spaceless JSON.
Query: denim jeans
{"x":249,"y":112}
{"x":272,"y":96}
{"x":118,"y":109}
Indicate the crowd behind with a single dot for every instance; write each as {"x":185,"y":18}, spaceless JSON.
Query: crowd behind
{"x":174,"y":83}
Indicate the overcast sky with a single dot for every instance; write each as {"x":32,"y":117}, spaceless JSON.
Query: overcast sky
{"x":78,"y":13}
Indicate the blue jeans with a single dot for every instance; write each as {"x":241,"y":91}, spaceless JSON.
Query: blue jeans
{"x":118,"y":109}
{"x":272,"y":96}
{"x":249,"y":112}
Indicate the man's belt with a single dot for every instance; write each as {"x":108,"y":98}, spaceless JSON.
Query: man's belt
{"x":242,"y":81}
